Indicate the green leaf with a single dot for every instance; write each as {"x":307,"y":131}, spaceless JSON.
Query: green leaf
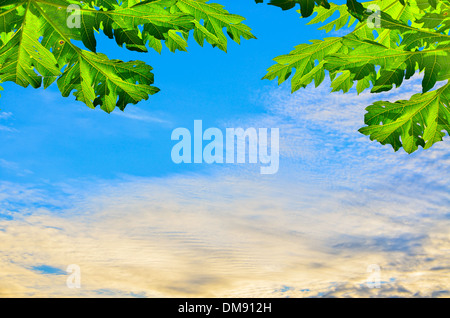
{"x":395,"y":64}
{"x":356,"y":9}
{"x":306,"y":6}
{"x":323,"y":14}
{"x":215,"y":18}
{"x":303,"y":60}
{"x":37,"y":43}
{"x":22,"y":54}
{"x":343,"y":82}
{"x":420,"y":121}
{"x":108,"y":83}
{"x":406,"y":37}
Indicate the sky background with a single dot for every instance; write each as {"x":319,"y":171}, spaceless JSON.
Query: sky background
{"x":80,"y":186}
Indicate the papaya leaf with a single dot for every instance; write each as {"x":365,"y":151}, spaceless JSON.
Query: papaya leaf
{"x":37,"y":43}
{"x":388,"y":41}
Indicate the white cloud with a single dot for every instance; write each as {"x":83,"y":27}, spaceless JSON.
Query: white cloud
{"x":223,"y":235}
{"x":14,"y":168}
{"x":140,"y":115}
{"x":7,"y":129}
{"x":5,"y":115}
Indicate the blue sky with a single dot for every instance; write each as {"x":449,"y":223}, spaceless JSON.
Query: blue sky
{"x":79,"y":186}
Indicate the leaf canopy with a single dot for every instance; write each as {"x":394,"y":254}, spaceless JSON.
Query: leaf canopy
{"x":38,"y":43}
{"x":388,"y":42}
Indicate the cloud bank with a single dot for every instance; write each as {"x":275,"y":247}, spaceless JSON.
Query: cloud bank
{"x":339,"y":204}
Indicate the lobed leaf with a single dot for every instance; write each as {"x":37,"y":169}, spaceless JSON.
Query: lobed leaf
{"x":37,"y":43}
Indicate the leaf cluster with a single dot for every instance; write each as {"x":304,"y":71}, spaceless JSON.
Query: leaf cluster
{"x":388,"y":41}
{"x":40,"y":43}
